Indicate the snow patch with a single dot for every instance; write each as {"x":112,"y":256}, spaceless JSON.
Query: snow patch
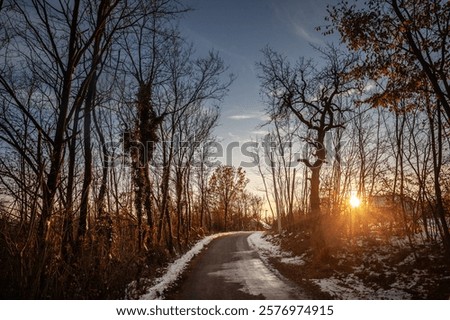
{"x":175,"y":269}
{"x":266,"y":249}
{"x":298,"y":261}
{"x":265,"y":225}
{"x":352,"y":288}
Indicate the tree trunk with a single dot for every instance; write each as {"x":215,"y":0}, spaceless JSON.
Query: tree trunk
{"x":436,"y":145}
{"x":50,"y":187}
{"x":87,"y":177}
{"x":67,"y":239}
{"x":314,"y":195}
{"x":277,"y":198}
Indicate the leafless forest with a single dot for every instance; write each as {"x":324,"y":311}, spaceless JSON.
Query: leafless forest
{"x":107,"y":118}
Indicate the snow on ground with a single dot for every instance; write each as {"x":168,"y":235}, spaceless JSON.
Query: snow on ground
{"x":298,"y":261}
{"x":352,"y":288}
{"x":267,"y":249}
{"x":375,"y":264}
{"x":175,"y":269}
{"x":371,"y":272}
{"x":261,"y":245}
{"x":265,"y":225}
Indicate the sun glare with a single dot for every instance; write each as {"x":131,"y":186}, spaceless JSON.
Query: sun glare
{"x":354,"y":201}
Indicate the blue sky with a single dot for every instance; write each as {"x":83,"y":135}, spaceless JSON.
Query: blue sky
{"x":239,"y":30}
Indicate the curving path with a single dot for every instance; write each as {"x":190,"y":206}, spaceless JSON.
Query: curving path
{"x":230,"y":269}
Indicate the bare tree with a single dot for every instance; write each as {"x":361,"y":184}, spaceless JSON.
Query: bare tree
{"x":227,"y":185}
{"x":52,"y":42}
{"x":56,"y":56}
{"x":311,"y":95}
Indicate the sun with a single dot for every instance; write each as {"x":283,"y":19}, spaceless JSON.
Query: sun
{"x":354,"y":201}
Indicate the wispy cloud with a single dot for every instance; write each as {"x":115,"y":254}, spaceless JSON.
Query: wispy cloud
{"x":250,"y":116}
{"x":300,"y":31}
{"x":291,"y":17}
{"x":242,"y":117}
{"x":260,"y":132}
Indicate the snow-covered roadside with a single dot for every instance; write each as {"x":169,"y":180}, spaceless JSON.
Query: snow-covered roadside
{"x":175,"y":269}
{"x":265,"y":248}
{"x":352,"y":288}
{"x":371,"y":272}
{"x":261,"y":242}
{"x":377,"y":276}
